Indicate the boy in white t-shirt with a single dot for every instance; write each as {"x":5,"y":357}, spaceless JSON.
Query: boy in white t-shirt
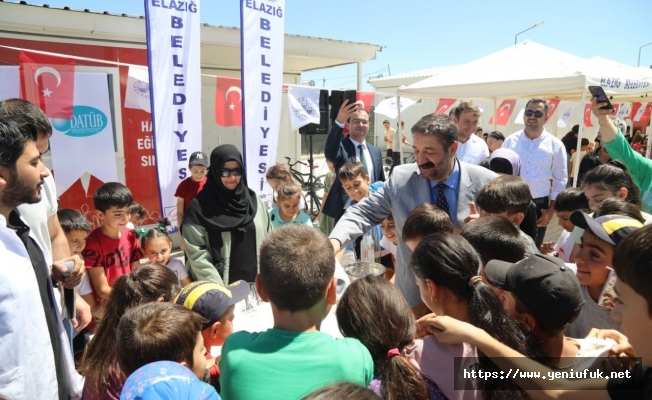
{"x":568,"y":201}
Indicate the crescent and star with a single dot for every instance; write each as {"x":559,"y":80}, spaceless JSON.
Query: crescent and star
{"x":233,"y":89}
{"x":47,"y":70}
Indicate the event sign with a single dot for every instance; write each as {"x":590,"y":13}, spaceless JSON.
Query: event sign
{"x":137,"y":93}
{"x":303,"y":102}
{"x":262,"y":26}
{"x":173,"y":43}
{"x":83,"y":143}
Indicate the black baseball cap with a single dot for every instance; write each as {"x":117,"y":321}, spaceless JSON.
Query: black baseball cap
{"x":198,"y":158}
{"x":211,"y":300}
{"x":545,"y":285}
{"x":610,"y":228}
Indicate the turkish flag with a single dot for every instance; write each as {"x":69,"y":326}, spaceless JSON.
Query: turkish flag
{"x":49,"y":82}
{"x":588,"y":113}
{"x":444,"y":105}
{"x":552,"y":107}
{"x":504,"y":112}
{"x":366,"y":99}
{"x":635,"y":111}
{"x":645,"y":116}
{"x":228,"y":101}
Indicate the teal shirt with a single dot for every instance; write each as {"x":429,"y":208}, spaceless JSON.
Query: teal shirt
{"x":639,"y":167}
{"x":287,"y":365}
{"x":278,"y":222}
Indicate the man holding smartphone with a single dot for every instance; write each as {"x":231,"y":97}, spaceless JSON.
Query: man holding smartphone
{"x":546,"y":161}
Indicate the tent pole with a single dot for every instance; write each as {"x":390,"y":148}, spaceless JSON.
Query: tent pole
{"x":576,"y":166}
{"x":493,"y":111}
{"x":398,"y":135}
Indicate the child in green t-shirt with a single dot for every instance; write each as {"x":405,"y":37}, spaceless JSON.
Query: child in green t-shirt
{"x":293,"y":358}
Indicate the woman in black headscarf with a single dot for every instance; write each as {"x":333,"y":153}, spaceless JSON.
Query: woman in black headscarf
{"x":225,"y":223}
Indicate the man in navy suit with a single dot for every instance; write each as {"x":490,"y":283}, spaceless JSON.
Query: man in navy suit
{"x":341,"y":149}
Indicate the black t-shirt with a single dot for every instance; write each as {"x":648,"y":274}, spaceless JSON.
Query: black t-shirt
{"x":637,"y":386}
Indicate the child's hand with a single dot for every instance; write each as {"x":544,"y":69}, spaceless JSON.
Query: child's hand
{"x":473,"y":214}
{"x":448,"y":330}
{"x":548,"y":248}
{"x":75,"y":276}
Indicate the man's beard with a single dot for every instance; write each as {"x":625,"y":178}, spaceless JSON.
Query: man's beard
{"x":17,"y":192}
{"x":438,"y":172}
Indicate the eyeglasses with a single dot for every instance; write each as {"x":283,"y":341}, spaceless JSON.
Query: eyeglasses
{"x":231,"y":172}
{"x":359,"y":122}
{"x":529,"y":113}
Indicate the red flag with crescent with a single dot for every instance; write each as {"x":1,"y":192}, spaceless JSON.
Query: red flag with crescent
{"x":552,"y":107}
{"x":636,"y":111}
{"x":587,"y":116}
{"x":645,"y":116}
{"x":503,"y":112}
{"x":49,"y":82}
{"x":366,"y":98}
{"x":228,"y":101}
{"x":444,"y":106}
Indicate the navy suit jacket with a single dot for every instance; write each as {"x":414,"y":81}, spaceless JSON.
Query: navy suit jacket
{"x":341,"y":150}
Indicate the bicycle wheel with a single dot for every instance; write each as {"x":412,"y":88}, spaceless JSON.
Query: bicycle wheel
{"x":318,"y":182}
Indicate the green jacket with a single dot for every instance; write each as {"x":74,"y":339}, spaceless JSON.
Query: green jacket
{"x":199,"y":261}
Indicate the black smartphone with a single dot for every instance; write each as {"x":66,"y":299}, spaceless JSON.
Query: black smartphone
{"x":601,"y":97}
{"x":350,"y":95}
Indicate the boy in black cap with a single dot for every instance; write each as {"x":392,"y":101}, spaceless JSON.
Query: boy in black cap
{"x":594,"y":260}
{"x":544,"y":294}
{"x":216,"y":304}
{"x":189,"y":187}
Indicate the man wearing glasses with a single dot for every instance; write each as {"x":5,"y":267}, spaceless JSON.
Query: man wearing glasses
{"x":545,"y":161}
{"x":341,"y":149}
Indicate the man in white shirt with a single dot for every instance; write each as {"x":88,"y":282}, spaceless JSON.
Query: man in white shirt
{"x":389,"y":137}
{"x":471,"y":149}
{"x":544,"y":159}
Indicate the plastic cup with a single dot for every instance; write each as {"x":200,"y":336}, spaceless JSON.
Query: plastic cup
{"x":360,"y":269}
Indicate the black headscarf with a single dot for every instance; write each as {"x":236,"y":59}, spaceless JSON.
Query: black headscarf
{"x":217,"y":208}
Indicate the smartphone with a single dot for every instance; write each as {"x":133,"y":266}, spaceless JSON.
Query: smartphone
{"x":601,"y":97}
{"x":351,"y":96}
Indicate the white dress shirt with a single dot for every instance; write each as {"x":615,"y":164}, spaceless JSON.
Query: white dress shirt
{"x":27,"y":369}
{"x":542,"y":160}
{"x":370,"y":163}
{"x":473,"y":151}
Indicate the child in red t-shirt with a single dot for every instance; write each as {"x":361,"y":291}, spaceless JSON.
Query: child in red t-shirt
{"x":111,"y":250}
{"x":189,"y":187}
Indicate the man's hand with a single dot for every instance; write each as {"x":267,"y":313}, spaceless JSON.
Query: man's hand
{"x":83,"y":314}
{"x":546,"y":216}
{"x":345,"y":112}
{"x":473,"y":214}
{"x":76,"y":275}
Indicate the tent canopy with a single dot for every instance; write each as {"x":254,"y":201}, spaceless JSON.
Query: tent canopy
{"x":531,"y":69}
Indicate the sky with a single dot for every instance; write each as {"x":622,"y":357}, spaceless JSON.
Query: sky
{"x":419,"y":34}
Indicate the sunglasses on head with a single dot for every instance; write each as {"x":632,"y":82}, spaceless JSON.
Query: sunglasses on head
{"x":231,"y":172}
{"x":538,"y":114}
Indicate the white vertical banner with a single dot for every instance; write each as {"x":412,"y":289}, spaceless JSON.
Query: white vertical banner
{"x":84,"y":143}
{"x":262,"y":27}
{"x":175,"y":90}
{"x":10,"y":82}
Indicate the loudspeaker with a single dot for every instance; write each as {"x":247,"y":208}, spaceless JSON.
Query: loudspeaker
{"x":322,"y":127}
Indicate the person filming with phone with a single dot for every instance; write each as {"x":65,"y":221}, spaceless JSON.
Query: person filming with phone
{"x":616,"y":144}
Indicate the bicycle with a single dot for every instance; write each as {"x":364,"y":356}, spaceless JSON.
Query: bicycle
{"x":310,"y":186}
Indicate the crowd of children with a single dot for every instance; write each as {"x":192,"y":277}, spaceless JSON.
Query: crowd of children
{"x":494,"y":302}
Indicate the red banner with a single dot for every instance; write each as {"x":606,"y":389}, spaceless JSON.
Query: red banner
{"x":552,"y":107}
{"x":228,"y":101}
{"x":444,"y":106}
{"x":366,"y":98}
{"x":48,"y":82}
{"x":587,"y":115}
{"x":504,"y":112}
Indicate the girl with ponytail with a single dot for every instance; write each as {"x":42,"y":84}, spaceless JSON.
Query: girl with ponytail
{"x":447,"y":268}
{"x":375,"y":312}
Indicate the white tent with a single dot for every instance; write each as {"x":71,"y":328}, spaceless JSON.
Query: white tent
{"x":530,"y":69}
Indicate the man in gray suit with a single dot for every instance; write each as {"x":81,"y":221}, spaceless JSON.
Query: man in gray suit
{"x":436,"y":177}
